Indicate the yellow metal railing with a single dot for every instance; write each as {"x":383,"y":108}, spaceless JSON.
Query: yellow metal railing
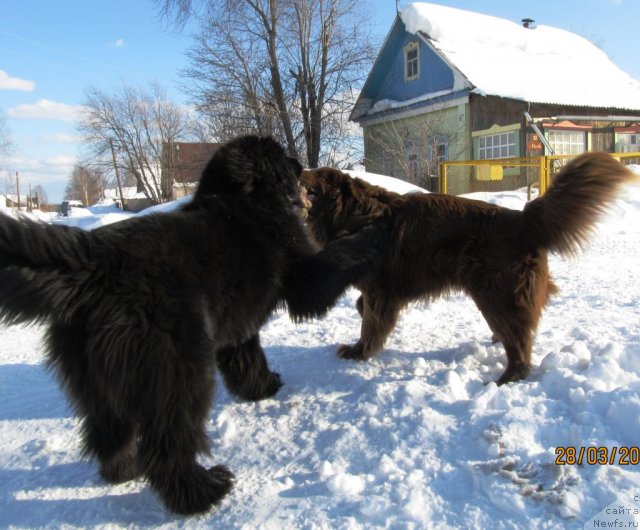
{"x":508,"y":173}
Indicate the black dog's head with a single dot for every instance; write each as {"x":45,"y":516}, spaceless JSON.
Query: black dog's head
{"x":251,"y":165}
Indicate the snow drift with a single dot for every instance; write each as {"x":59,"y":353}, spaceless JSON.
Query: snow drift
{"x":414,"y":438}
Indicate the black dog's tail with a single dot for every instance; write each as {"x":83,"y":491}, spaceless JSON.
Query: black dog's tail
{"x":40,"y":269}
{"x":563,"y":218}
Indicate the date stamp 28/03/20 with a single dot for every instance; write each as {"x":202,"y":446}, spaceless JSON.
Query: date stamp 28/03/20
{"x":597,"y":456}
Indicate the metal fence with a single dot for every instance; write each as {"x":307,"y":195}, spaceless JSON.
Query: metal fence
{"x":530,"y":174}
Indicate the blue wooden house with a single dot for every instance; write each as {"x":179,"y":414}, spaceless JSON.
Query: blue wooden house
{"x":450,"y":84}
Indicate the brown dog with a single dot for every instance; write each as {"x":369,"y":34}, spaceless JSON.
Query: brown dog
{"x":442,"y":243}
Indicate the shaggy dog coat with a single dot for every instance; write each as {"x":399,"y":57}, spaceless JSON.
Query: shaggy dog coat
{"x":140,"y":313}
{"x":441,"y":243}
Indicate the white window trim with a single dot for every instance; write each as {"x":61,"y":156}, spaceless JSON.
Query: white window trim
{"x":571,"y":147}
{"x":628,"y":142}
{"x":507,"y":149}
{"x":412,"y":46}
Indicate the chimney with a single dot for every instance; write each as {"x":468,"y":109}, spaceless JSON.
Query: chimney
{"x":527,"y":22}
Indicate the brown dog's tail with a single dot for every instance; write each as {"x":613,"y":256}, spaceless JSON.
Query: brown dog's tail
{"x":562,"y":219}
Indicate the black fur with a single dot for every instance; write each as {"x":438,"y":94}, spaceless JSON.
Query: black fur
{"x":139,"y":313}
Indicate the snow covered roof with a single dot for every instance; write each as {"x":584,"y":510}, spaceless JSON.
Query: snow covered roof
{"x":542,"y":64}
{"x":128,"y":192}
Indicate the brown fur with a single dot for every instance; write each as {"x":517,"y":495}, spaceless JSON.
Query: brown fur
{"x":441,"y":243}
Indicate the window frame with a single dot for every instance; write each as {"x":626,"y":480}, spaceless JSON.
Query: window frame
{"x":628,"y":142}
{"x":411,"y":47}
{"x":504,"y":142}
{"x":562,"y":147}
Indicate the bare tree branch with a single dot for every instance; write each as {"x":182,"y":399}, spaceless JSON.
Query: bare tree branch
{"x":280,"y":67}
{"x":136,"y":124}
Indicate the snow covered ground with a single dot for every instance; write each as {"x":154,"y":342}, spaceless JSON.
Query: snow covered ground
{"x":418,"y":437}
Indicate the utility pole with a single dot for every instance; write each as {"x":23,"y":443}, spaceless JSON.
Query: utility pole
{"x":115,"y":167}
{"x":18,"y":188}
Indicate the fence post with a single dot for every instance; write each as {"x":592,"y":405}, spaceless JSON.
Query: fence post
{"x":544,"y":177}
{"x":443,"y":177}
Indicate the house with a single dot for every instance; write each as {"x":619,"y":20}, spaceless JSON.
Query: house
{"x":23,"y":202}
{"x":450,"y":84}
{"x":128,"y":198}
{"x":182,"y":165}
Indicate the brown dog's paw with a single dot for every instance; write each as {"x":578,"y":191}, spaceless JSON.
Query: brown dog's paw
{"x":354,"y":352}
{"x":512,"y":375}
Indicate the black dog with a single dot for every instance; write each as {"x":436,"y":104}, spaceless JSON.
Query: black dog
{"x":139,"y":313}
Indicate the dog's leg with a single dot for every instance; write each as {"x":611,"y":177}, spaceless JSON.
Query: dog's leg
{"x":513,"y":313}
{"x":515,"y":333}
{"x":114,"y":443}
{"x":379,"y":317}
{"x":177,"y":396}
{"x":518,"y":361}
{"x":246,"y":372}
{"x":107,"y":436}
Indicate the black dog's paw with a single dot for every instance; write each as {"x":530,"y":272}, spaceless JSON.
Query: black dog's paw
{"x":368,"y":241}
{"x":261,"y":389}
{"x":360,"y":305}
{"x":121,"y":470}
{"x":197,"y":490}
{"x":222,"y":477}
{"x":274,"y":383}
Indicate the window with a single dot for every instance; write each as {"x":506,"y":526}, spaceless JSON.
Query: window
{"x":501,"y":145}
{"x":422,"y":160}
{"x":388,"y":163}
{"x":629,"y":143}
{"x":411,"y":62}
{"x":413,"y":163}
{"x":437,"y":152}
{"x":567,"y":142}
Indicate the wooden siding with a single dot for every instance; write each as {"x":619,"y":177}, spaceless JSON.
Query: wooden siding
{"x":486,"y":111}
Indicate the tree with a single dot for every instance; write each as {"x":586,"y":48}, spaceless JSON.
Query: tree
{"x":281,"y":67}
{"x":6,"y":145}
{"x":40,"y":196}
{"x":411,"y":149}
{"x":126,"y":132}
{"x":86,"y":184}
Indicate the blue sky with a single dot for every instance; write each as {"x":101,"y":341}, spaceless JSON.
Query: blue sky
{"x":50,"y":52}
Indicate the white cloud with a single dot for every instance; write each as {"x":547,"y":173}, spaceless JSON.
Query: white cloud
{"x":45,"y":109}
{"x":118,"y":43}
{"x":61,"y":138}
{"x":52,"y":173}
{"x":15,"y":83}
{"x":65,"y":162}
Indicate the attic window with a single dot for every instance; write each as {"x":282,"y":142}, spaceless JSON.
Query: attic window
{"x":411,"y":62}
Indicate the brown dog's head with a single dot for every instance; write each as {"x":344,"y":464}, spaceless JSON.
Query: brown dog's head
{"x":340,"y":205}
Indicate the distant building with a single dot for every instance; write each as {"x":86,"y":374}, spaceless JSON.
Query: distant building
{"x":450,"y":84}
{"x":131,"y":200}
{"x":26,"y":202}
{"x":182,"y":165}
